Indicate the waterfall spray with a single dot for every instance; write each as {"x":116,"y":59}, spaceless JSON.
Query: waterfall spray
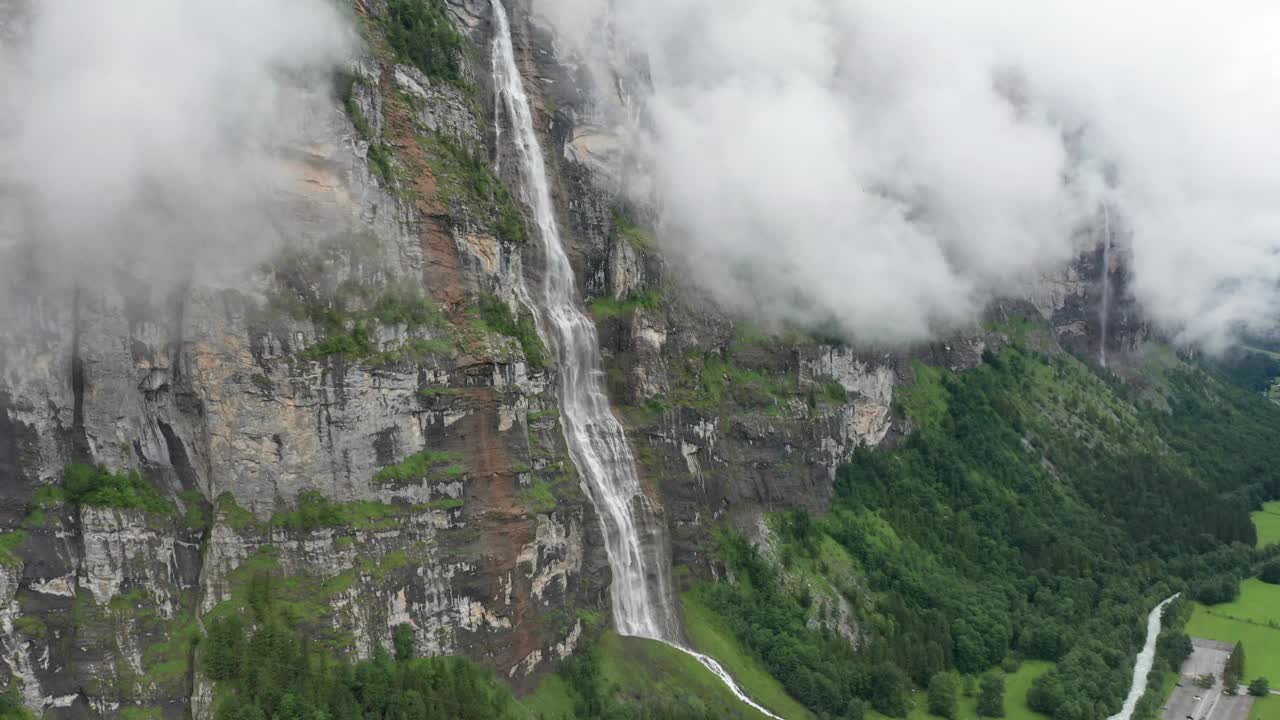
{"x":635,"y":537}
{"x":1104,"y":311}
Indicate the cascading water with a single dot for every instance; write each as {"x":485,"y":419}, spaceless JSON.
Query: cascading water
{"x":1104,"y":311}
{"x":1142,"y":665}
{"x":635,"y":539}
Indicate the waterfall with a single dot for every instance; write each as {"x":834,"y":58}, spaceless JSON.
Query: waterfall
{"x":1142,"y":664}
{"x":1104,"y":312}
{"x":634,"y":535}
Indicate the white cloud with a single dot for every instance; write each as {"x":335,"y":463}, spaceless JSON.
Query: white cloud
{"x":148,"y":128}
{"x":893,"y":165}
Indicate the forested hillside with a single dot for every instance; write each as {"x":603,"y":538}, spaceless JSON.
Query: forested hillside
{"x":1039,"y":511}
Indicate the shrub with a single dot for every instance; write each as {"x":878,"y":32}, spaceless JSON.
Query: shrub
{"x":98,"y":486}
{"x":1271,"y":573}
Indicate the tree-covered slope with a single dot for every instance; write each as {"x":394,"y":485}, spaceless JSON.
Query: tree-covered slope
{"x":1038,"y":511}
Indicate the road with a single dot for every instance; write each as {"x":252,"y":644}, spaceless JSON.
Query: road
{"x":1189,"y":702}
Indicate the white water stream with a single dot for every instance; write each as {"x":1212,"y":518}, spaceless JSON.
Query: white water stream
{"x":1142,"y":665}
{"x":635,"y":537}
{"x":1104,"y":313}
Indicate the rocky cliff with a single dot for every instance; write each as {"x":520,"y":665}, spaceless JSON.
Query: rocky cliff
{"x":366,"y":422}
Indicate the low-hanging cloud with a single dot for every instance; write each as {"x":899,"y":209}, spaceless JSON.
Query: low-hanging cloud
{"x":148,"y":133}
{"x":892,"y":166}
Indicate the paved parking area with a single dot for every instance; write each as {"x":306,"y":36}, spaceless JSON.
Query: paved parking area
{"x":1189,"y":702}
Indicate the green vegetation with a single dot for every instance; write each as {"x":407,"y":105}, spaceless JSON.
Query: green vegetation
{"x":468,"y":184}
{"x":1267,"y":521}
{"x":1260,"y":687}
{"x":991,"y":695}
{"x":232,"y":513}
{"x":427,"y":465}
{"x":265,"y":666}
{"x":11,"y":707}
{"x":382,"y":162}
{"x":348,"y":322}
{"x":1233,"y":672}
{"x":632,"y":678}
{"x":168,"y":662}
{"x":999,"y":529}
{"x":604,"y":308}
{"x":313,"y":511}
{"x":421,"y":34}
{"x":1253,"y":618}
{"x":97,"y":486}
{"x":1264,"y":708}
{"x":944,"y":695}
{"x":629,"y":230}
{"x":706,"y":381}
{"x":709,"y":635}
{"x":495,"y":314}
{"x":9,"y":543}
{"x":1257,"y":602}
{"x":1015,"y":686}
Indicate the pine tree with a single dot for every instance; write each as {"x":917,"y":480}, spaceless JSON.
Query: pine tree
{"x":1234,"y":670}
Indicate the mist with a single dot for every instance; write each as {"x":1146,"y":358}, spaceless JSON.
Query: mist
{"x":890,"y":167}
{"x":150,"y":135}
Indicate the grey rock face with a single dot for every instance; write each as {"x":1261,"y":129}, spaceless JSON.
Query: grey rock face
{"x":225,"y":398}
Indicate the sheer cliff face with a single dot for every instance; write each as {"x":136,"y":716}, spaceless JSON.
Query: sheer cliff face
{"x":353,"y":419}
{"x":349,"y":372}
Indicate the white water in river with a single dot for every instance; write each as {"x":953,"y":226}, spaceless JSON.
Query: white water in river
{"x":1142,"y":665}
{"x":635,"y":538}
{"x":1104,"y":313}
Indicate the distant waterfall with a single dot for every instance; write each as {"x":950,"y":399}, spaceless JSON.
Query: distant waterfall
{"x":1104,"y":311}
{"x":1142,"y":665}
{"x":635,"y":539}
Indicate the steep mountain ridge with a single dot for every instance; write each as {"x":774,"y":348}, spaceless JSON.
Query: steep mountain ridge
{"x":368,"y":423}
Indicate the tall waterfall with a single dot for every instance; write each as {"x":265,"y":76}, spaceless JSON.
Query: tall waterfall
{"x":635,"y":538}
{"x":1104,"y":311}
{"x":1142,"y":665}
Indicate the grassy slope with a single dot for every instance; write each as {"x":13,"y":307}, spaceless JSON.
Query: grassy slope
{"x":709,"y":636}
{"x":644,"y":670}
{"x":1267,"y":520}
{"x":1015,"y":697}
{"x":1246,"y":620}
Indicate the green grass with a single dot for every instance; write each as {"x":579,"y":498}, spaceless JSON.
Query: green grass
{"x":644,"y":668}
{"x":1258,"y":602}
{"x":313,"y":511}
{"x":551,"y":700}
{"x":425,"y":465}
{"x":709,"y":636}
{"x":646,"y":671}
{"x":604,"y":308}
{"x":1261,"y":643}
{"x":1267,"y":520}
{"x":1265,"y":708}
{"x":1015,"y":697}
{"x":9,"y":542}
